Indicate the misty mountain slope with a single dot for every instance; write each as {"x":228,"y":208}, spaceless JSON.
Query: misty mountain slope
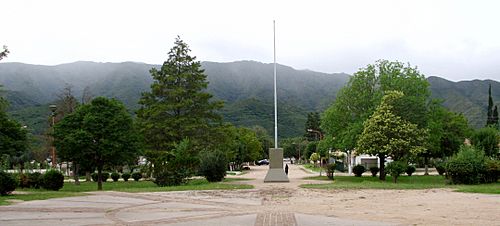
{"x":249,"y":79}
{"x":467,"y":97}
{"x":246,"y":87}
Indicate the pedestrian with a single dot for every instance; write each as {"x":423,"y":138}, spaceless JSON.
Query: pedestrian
{"x":286,"y":169}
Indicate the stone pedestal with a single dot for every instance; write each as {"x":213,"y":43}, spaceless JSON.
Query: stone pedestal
{"x":276,"y":172}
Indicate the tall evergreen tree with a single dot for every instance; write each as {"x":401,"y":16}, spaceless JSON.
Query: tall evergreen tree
{"x":489,"y":120}
{"x":313,"y":123}
{"x":177,"y":106}
{"x":495,"y":116}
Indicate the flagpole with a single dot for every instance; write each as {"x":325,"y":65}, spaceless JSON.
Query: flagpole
{"x":275,"y":93}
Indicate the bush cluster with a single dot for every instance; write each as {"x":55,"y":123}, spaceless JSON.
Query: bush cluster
{"x":358,"y":170}
{"x":8,"y":183}
{"x":492,"y":171}
{"x":53,"y":180}
{"x":171,"y":177}
{"x":115,"y":176}
{"x":374,"y":170}
{"x":213,"y":166}
{"x":330,"y":169}
{"x":410,"y":170}
{"x":468,"y":166}
{"x":126,"y":176}
{"x":441,"y":168}
{"x":136,"y":176}
{"x":395,"y":169}
{"x":104,"y":176}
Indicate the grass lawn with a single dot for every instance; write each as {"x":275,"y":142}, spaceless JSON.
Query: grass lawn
{"x":312,"y":167}
{"x":70,"y":189}
{"x":404,"y":182}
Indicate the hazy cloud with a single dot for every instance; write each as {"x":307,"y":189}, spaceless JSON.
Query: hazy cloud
{"x":458,"y":40}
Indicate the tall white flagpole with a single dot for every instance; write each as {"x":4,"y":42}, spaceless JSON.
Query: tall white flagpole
{"x":275,"y":93}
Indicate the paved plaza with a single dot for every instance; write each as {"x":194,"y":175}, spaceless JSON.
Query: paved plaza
{"x":267,"y":204}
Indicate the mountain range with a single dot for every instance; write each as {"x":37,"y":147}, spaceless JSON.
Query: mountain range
{"x":246,"y":87}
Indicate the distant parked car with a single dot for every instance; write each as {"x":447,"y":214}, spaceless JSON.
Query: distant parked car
{"x":263,"y":162}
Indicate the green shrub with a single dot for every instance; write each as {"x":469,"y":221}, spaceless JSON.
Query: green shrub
{"x":358,"y":170}
{"x":330,"y":169}
{"x":177,"y":166}
{"x":35,"y":180}
{"x":171,"y":177}
{"x":213,"y":166}
{"x":467,"y":166}
{"x":8,"y":183}
{"x":115,"y":176}
{"x":137,"y":176}
{"x":23,"y":181}
{"x":410,"y":170}
{"x":441,"y":168}
{"x":53,"y":180}
{"x":374,"y":170}
{"x":492,"y":171}
{"x":105,"y":176}
{"x":395,"y":169}
{"x":339,"y":166}
{"x":94,"y":176}
{"x":126,"y":176}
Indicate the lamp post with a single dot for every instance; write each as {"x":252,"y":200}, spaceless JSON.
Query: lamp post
{"x":317,"y":132}
{"x":320,"y":138}
{"x":53,"y":108}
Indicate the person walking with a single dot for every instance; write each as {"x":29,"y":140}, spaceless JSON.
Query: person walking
{"x":286,"y":169}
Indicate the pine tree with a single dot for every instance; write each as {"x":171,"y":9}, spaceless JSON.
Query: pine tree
{"x":177,"y":106}
{"x":489,"y":120}
{"x":495,"y":117}
{"x":313,"y":126}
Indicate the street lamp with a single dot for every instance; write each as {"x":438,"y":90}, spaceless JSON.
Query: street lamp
{"x":53,"y":108}
{"x":317,"y":132}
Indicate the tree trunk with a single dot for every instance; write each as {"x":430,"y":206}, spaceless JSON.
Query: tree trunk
{"x":76,"y":174}
{"x":426,"y":163}
{"x":87,"y":176}
{"x":99,"y":177}
{"x":382,"y":167}
{"x":395,"y":179}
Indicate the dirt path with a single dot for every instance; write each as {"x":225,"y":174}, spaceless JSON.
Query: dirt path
{"x":267,"y":204}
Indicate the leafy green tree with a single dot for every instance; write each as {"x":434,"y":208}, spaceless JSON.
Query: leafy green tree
{"x":487,"y":139}
{"x":447,"y":132}
{"x":177,"y":106}
{"x":357,"y":101}
{"x":248,"y":147}
{"x":13,"y":137}
{"x":99,"y":133}
{"x":312,"y":125}
{"x":264,"y":139}
{"x":387,"y":134}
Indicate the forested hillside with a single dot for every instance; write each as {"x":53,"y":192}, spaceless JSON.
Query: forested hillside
{"x":246,"y":87}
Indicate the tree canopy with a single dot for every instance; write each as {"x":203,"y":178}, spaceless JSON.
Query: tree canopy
{"x":357,"y":101}
{"x":177,"y":106}
{"x":100,"y":133}
{"x":387,"y":134}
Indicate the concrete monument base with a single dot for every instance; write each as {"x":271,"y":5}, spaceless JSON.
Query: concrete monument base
{"x":276,"y":172}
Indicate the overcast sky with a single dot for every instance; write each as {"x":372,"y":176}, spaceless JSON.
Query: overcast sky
{"x":457,"y":40}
